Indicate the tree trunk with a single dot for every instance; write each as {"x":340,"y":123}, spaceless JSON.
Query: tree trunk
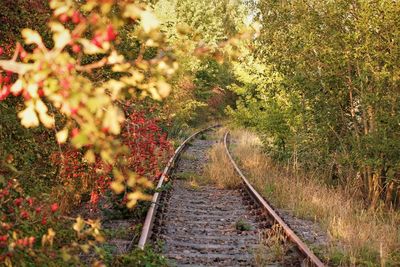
{"x":389,"y":195}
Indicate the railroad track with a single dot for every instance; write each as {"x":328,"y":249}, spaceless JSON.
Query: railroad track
{"x":207,"y":226}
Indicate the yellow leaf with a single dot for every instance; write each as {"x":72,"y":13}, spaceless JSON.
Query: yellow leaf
{"x":163,"y":88}
{"x":41,"y":108}
{"x":89,"y":156}
{"x":99,"y":238}
{"x":145,"y":182}
{"x":148,"y":21}
{"x":8,"y":262}
{"x":47,"y":120}
{"x":62,"y":136}
{"x":85,"y":248}
{"x":28,"y":117}
{"x":121,"y":67}
{"x":114,"y":58}
{"x":154,"y":93}
{"x":134,"y":197}
{"x":117,"y":187}
{"x":132,"y":180}
{"x":32,"y":89}
{"x":115,"y":87}
{"x":61,"y":36}
{"x":65,"y":255}
{"x":112,"y":120}
{"x":16,"y":87}
{"x":106,"y":156}
{"x":132,"y":11}
{"x":95,"y":224}
{"x":79,"y":225}
{"x":16,"y":67}
{"x":131,"y":203}
{"x":105,"y":8}
{"x":90,"y":48}
{"x":118,"y":175}
{"x":49,"y":237}
{"x":60,"y":10}
{"x":32,"y":37}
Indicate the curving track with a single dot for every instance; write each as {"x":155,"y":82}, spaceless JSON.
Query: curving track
{"x":207,"y":226}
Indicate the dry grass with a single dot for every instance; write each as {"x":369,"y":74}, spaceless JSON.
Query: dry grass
{"x":193,"y":180}
{"x":358,"y":236}
{"x":219,"y":169}
{"x":272,"y":248}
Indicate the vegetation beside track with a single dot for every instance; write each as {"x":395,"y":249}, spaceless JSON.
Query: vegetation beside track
{"x":357,"y":235}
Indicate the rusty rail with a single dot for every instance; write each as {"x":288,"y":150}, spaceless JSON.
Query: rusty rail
{"x":312,"y":258}
{"x":148,"y":223}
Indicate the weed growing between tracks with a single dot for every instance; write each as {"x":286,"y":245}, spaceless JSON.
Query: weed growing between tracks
{"x":273,"y":246}
{"x":219,"y":170}
{"x":358,"y":236}
{"x":139,"y":257}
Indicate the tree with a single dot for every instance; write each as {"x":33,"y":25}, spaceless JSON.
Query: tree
{"x":337,"y":102}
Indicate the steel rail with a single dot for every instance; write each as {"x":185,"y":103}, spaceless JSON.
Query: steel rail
{"x":148,"y":223}
{"x":313,"y":259}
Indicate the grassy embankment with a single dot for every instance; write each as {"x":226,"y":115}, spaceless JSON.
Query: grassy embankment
{"x":358,"y":236}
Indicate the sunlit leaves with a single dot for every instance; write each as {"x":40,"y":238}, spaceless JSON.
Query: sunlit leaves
{"x":32,"y":37}
{"x":148,"y":21}
{"x":112,"y":120}
{"x":29,"y":117}
{"x":114,"y":58}
{"x":62,"y":136}
{"x":45,"y":118}
{"x":79,"y":224}
{"x":134,"y":197}
{"x":16,"y":67}
{"x":117,"y":187}
{"x":48,"y":238}
{"x":163,"y":88}
{"x":74,"y":76}
{"x":61,"y":35}
{"x":17,"y":87}
{"x":89,"y":48}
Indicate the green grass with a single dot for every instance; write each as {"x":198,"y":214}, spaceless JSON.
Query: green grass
{"x":187,"y":176}
{"x":147,"y":257}
{"x":187,"y":156}
{"x":193,"y":180}
{"x":243,"y":225}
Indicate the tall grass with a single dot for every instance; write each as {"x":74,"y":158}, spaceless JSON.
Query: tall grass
{"x":219,"y":170}
{"x":358,"y":236}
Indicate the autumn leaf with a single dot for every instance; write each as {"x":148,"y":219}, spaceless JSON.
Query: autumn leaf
{"x":42,"y":109}
{"x":112,"y":120}
{"x":32,"y":37}
{"x":16,"y":88}
{"x":163,"y":88}
{"x":79,"y":225}
{"x":16,"y":67}
{"x":89,"y":48}
{"x":61,"y":35}
{"x":62,"y":136}
{"x":117,"y":187}
{"x":29,"y":117}
{"x":149,"y":21}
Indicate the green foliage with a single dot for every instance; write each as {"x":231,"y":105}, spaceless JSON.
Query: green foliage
{"x":197,"y":28}
{"x":20,"y":14}
{"x":140,"y":258}
{"x":20,"y":147}
{"x":243,"y":225}
{"x":322,"y":87}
